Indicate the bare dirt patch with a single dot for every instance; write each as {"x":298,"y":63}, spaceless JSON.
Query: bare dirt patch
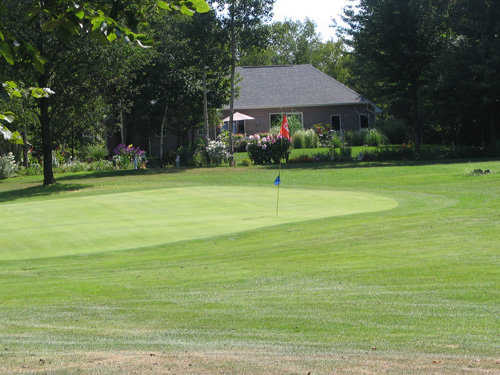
{"x":243,"y":362}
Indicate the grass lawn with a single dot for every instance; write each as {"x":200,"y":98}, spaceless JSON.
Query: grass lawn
{"x":370,"y":269}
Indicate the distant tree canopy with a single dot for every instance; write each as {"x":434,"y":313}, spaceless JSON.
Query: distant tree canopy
{"x":431,"y":63}
{"x":297,"y":42}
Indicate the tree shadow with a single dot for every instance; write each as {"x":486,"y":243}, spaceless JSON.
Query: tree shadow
{"x":357,"y":164}
{"x":39,"y":191}
{"x":129,"y":172}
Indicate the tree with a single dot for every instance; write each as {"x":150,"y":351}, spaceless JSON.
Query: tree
{"x":297,"y":42}
{"x":185,"y":50}
{"x":394,"y":44}
{"x":468,"y":90}
{"x":58,"y":22}
{"x":242,"y":19}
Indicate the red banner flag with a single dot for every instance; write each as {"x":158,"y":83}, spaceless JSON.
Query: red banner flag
{"x":285,"y":131}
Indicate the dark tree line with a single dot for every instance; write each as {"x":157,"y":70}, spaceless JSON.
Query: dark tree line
{"x":432,"y":63}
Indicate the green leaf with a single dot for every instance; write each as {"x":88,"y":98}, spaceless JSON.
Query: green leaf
{"x":12,"y":89}
{"x":38,"y":93}
{"x":111,"y":36}
{"x":2,"y":38}
{"x":80,"y":14}
{"x":7,"y":116}
{"x":163,"y":5}
{"x":186,"y":11}
{"x":201,"y":6}
{"x":6,"y":52}
{"x":16,"y":138}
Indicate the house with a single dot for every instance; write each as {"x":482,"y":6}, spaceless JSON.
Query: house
{"x":302,"y":92}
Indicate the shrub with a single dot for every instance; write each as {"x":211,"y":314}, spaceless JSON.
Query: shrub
{"x":128,"y":157}
{"x":335,"y":140}
{"x":240,"y":143}
{"x":324,"y":134}
{"x":265,"y":150}
{"x":311,"y":139}
{"x":302,"y":159}
{"x":396,"y":131}
{"x":373,"y":137}
{"x":298,"y":140}
{"x":388,"y":153}
{"x":8,"y":166}
{"x":294,"y":125}
{"x":34,"y":169}
{"x":95,"y":152}
{"x":258,"y":154}
{"x":101,"y":165}
{"x":354,"y":138}
{"x":73,"y":166}
{"x":244,"y":163}
{"x":217,"y":152}
{"x":200,"y":158}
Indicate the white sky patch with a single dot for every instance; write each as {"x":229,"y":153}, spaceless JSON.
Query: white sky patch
{"x":320,"y":11}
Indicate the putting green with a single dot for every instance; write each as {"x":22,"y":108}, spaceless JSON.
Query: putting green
{"x":122,"y":221}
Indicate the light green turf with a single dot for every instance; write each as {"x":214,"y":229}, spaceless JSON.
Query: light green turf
{"x":139,"y":219}
{"x":420,"y":280}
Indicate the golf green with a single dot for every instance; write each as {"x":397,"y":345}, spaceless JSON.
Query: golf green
{"x":110,"y":222}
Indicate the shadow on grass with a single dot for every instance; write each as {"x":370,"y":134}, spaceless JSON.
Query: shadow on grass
{"x":39,"y":191}
{"x":130,"y":172}
{"x":372,"y":164}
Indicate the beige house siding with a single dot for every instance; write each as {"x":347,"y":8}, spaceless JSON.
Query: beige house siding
{"x":349,"y":114}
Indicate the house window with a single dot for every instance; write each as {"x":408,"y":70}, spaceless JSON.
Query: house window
{"x":336,"y":123}
{"x":295,"y":120}
{"x":363,"y":121}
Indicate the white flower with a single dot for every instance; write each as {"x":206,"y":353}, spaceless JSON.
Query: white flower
{"x":49,"y":91}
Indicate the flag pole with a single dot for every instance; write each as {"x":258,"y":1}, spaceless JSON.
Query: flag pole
{"x":279,"y":179}
{"x":281,"y":161}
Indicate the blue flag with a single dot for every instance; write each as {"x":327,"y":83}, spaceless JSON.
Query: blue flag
{"x":277,"y":181}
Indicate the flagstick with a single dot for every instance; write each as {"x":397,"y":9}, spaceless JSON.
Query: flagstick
{"x":283,"y":123}
{"x":279,"y":176}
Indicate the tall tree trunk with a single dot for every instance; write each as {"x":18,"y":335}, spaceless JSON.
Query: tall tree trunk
{"x":205,"y":104}
{"x":43,"y":106}
{"x":416,"y":118}
{"x":48,"y":174}
{"x":233,"y":73}
{"x":25,"y":146}
{"x":492,"y":144}
{"x":123,"y":134}
{"x":162,"y":131}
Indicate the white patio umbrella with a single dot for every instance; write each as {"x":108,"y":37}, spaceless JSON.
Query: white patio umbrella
{"x":238,"y":117}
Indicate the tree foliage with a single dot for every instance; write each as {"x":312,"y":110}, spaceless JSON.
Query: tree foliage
{"x":44,"y":28}
{"x":431,"y":63}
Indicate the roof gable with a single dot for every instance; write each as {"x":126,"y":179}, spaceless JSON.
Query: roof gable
{"x":291,"y":86}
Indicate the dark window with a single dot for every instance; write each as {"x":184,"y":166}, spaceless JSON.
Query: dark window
{"x":295,"y":120}
{"x":363,"y":121}
{"x":240,"y":127}
{"x":336,"y":123}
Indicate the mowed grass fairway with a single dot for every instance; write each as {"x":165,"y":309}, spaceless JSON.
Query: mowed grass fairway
{"x":373,"y":269}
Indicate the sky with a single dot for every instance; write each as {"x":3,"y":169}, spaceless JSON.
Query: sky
{"x":320,"y":11}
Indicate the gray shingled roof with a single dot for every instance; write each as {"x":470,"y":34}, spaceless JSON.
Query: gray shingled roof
{"x":290,"y":86}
